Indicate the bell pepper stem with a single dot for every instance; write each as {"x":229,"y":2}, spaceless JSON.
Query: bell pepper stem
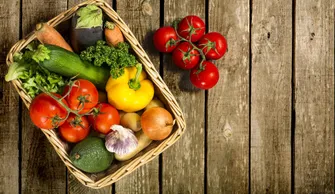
{"x":135,"y":82}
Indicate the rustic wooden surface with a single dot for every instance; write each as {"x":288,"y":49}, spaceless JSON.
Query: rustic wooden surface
{"x":271,"y":50}
{"x":267,"y":127}
{"x":9,"y":103}
{"x":228,"y":102}
{"x":314,"y":96}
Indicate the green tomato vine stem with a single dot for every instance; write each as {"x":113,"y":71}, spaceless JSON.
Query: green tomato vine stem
{"x":60,"y":101}
{"x":203,"y":57}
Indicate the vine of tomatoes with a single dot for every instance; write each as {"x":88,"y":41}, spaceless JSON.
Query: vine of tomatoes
{"x":192,"y":49}
{"x":73,"y":113}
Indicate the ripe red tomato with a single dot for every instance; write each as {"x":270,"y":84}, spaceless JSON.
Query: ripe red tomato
{"x":213,"y":45}
{"x":191,"y":26}
{"x":47,"y":113}
{"x":206,"y":77}
{"x":74,"y":129}
{"x":185,"y":57}
{"x":104,"y":116}
{"x":165,"y":39}
{"x":83,"y":96}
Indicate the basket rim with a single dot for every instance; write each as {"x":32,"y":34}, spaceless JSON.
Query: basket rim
{"x":152,"y":73}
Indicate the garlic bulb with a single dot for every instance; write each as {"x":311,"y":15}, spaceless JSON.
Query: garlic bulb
{"x":121,"y":140}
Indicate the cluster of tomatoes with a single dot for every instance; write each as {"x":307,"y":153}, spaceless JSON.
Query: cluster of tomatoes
{"x":192,"y":49}
{"x":74,"y":112}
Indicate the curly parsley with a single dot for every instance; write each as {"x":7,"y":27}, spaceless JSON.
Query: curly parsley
{"x":117,"y":58}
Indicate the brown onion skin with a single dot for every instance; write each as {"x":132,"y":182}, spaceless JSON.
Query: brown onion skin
{"x":157,"y":123}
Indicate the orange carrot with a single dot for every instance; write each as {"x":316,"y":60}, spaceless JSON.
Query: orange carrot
{"x":113,"y":34}
{"x":48,"y":35}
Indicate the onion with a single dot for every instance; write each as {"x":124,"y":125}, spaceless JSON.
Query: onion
{"x":157,"y":123}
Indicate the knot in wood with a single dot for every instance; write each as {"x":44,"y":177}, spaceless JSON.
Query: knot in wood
{"x":146,"y":8}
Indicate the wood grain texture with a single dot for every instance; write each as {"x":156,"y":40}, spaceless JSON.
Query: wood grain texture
{"x":142,"y":17}
{"x":73,"y":185}
{"x":76,"y":187}
{"x":228,"y":101}
{"x":314,"y":96}
{"x":271,"y":38}
{"x":9,"y":102}
{"x":183,"y":162}
{"x":42,"y":169}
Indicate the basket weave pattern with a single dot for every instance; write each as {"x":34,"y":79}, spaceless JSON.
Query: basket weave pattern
{"x":60,"y":147}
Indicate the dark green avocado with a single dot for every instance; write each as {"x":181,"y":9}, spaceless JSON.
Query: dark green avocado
{"x":91,"y":155}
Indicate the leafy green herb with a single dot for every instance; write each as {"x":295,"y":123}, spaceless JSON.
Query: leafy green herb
{"x":117,"y":58}
{"x":41,"y":53}
{"x":31,"y":74}
{"x":89,"y":17}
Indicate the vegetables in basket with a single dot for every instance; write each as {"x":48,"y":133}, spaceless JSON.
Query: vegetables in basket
{"x":117,"y":58}
{"x":91,"y":155}
{"x":32,"y":75}
{"x":157,"y":123}
{"x":120,"y":140}
{"x":46,"y":34}
{"x":113,"y":34}
{"x":68,"y":64}
{"x":143,"y":142}
{"x":86,"y":27}
{"x":131,"y":91}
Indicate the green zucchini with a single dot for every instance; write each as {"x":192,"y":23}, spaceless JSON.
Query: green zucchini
{"x":69,"y":64}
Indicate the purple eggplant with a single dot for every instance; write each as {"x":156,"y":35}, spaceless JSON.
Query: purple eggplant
{"x":86,"y":27}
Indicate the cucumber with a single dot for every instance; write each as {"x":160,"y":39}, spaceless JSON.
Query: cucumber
{"x":69,"y":64}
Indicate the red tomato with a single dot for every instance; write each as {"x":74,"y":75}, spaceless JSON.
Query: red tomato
{"x":213,"y":44}
{"x":104,"y":116}
{"x":185,"y":57}
{"x":47,"y":113}
{"x":191,"y":26}
{"x":205,"y":77}
{"x":74,"y":129}
{"x":83,"y":96}
{"x":165,"y":39}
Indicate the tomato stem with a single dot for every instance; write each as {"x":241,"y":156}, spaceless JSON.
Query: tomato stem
{"x":203,"y":57}
{"x":60,"y":101}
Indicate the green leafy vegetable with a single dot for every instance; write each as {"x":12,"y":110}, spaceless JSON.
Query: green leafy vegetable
{"x":31,"y":74}
{"x":117,"y":58}
{"x":41,"y":53}
{"x":89,"y":17}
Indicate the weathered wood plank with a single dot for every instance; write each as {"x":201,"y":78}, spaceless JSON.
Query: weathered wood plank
{"x":271,"y":38}
{"x":228,"y":101}
{"x":74,"y":186}
{"x":314,"y":96}
{"x":183,"y":163}
{"x":9,"y":101}
{"x":42,"y":170}
{"x":142,"y":18}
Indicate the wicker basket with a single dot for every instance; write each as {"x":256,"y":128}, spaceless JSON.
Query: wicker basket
{"x":118,"y":169}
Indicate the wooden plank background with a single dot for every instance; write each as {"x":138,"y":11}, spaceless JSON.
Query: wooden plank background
{"x":314,"y":96}
{"x":271,"y":50}
{"x":9,"y":103}
{"x":267,"y":127}
{"x":228,"y":102}
{"x":183,"y":171}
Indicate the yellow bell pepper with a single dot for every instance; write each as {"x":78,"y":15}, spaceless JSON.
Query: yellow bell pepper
{"x":131,"y":91}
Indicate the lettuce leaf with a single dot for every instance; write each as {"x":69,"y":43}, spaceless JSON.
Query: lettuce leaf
{"x":32,"y":75}
{"x":89,"y":17}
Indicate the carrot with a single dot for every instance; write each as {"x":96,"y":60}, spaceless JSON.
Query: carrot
{"x":46,"y":34}
{"x":113,"y":34}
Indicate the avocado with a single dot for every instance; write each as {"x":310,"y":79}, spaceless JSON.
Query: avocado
{"x":91,"y":155}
